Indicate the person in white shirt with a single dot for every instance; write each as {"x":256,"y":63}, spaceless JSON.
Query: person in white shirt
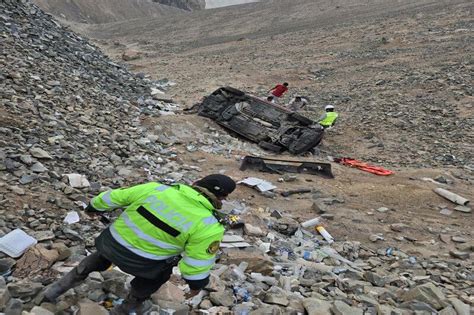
{"x":297,"y":103}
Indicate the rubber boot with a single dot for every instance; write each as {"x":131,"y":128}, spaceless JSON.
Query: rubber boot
{"x":70,"y":280}
{"x":132,"y":306}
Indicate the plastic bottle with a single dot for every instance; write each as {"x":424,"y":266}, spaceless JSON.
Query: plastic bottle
{"x":310,"y":223}
{"x":325,"y":234}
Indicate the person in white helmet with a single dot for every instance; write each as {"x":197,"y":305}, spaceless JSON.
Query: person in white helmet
{"x":329,"y":118}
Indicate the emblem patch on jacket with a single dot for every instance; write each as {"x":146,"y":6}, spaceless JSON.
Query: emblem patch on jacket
{"x":213,"y":247}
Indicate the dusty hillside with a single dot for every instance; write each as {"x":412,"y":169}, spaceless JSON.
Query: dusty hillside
{"x":104,"y":11}
{"x":399,"y":73}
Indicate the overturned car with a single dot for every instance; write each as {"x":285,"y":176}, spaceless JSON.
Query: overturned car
{"x":273,"y":127}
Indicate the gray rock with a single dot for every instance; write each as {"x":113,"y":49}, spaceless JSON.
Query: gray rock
{"x":26,"y":179}
{"x":40,"y":153}
{"x":427,"y":293}
{"x":4,"y":293}
{"x":276,"y":298}
{"x":463,"y":209}
{"x":24,"y":289}
{"x":341,"y":308}
{"x":116,"y":286}
{"x":449,"y":310}
{"x":38,"y":167}
{"x":179,"y":308}
{"x":13,"y":307}
{"x":38,"y":310}
{"x":460,"y":307}
{"x":459,"y":255}
{"x":223,"y":298}
{"x":316,"y":306}
{"x":91,"y":308}
{"x":374,"y":278}
{"x":253,"y":230}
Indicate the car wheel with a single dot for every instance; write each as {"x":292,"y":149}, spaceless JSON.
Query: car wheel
{"x":307,"y":140}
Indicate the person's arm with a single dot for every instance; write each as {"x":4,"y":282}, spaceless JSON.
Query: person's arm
{"x":273,"y":88}
{"x":200,"y":255}
{"x":119,"y":198}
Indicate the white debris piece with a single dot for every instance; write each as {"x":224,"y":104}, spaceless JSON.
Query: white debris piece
{"x":72,"y":217}
{"x":78,"y":180}
{"x":258,"y":183}
{"x":15,"y":243}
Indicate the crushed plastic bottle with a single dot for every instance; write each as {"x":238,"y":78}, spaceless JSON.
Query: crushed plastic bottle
{"x":242,"y":294}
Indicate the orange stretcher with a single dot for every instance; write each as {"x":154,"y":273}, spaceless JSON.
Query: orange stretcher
{"x":364,"y":166}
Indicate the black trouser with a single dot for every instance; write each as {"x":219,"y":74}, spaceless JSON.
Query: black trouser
{"x":142,"y":288}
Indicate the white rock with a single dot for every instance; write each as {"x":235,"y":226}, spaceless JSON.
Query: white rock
{"x":78,"y":180}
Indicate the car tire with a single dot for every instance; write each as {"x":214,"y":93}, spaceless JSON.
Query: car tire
{"x":270,"y":146}
{"x":308,"y":139}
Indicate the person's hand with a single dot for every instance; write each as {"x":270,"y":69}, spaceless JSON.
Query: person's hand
{"x":192,"y":293}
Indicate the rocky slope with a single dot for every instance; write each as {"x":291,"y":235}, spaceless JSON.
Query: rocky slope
{"x":189,"y":5}
{"x":68,"y":109}
{"x":106,"y":11}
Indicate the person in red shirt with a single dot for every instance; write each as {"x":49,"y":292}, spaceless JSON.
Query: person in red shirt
{"x":279,"y":90}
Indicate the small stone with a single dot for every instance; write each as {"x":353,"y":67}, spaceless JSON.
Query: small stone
{"x":223,"y":298}
{"x":449,"y":310}
{"x":341,"y":308}
{"x":4,"y":293}
{"x":24,"y":289}
{"x":42,"y":235}
{"x":445,"y":238}
{"x":316,"y":306}
{"x":129,"y":55}
{"x":465,"y":247}
{"x":376,"y":237}
{"x":40,"y":153}
{"x":253,"y":230}
{"x":276,"y":214}
{"x":38,"y":310}
{"x":13,"y":307}
{"x":383,"y":209}
{"x":459,"y":254}
{"x":91,"y":308}
{"x":427,"y":293}
{"x":276,"y":298}
{"x":38,"y":167}
{"x":460,"y":307}
{"x":446,"y":211}
{"x":169,"y":292}
{"x":27,"y":159}
{"x":463,"y":209}
{"x":374,"y":278}
{"x":26,"y":179}
{"x":458,"y":239}
{"x":17,"y":190}
{"x":398,"y":227}
{"x":205,"y":304}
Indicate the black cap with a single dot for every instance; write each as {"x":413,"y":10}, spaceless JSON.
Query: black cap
{"x":219,"y":185}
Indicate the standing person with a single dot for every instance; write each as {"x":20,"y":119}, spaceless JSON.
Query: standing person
{"x":297,"y":103}
{"x":160,"y":226}
{"x":328,"y":119}
{"x":279,"y":90}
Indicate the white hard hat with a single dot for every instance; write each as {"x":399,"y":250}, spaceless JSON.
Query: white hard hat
{"x":329,"y":107}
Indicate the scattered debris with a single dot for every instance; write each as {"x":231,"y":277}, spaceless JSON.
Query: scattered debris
{"x":279,"y":166}
{"x":72,"y":217}
{"x":260,"y":184}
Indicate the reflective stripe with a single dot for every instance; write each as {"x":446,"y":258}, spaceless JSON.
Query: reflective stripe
{"x":93,"y":202}
{"x":162,"y":188}
{"x":146,"y":237}
{"x":108,"y":201}
{"x":197,"y":262}
{"x":134,"y":250}
{"x":209,"y":220}
{"x":197,"y":277}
